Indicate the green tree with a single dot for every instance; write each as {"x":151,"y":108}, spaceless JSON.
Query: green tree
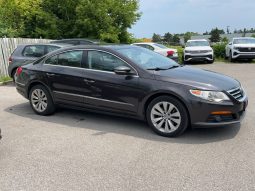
{"x":107,"y":20}
{"x":253,"y":35}
{"x":215,"y":35}
{"x":168,"y":38}
{"x":224,"y":39}
{"x":187,"y":36}
{"x":156,"y":38}
{"x":176,"y":39}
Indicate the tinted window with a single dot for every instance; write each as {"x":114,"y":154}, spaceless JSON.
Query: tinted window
{"x":103,"y":61}
{"x":52,"y":48}
{"x":145,"y":58}
{"x":52,"y":60}
{"x":71,"y":58}
{"x":34,"y":51}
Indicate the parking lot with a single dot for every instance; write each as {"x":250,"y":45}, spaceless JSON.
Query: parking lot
{"x":76,"y":150}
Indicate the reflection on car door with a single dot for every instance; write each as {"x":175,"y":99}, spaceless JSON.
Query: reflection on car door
{"x":65,"y":77}
{"x":107,"y":89}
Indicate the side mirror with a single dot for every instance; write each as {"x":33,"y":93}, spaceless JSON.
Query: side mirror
{"x":230,"y":43}
{"x":122,"y":70}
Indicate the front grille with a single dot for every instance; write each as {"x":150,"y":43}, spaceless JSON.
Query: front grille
{"x":198,"y":51}
{"x":246,"y":49}
{"x":237,"y":93}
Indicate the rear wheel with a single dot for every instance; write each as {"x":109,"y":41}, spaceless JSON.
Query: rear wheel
{"x":167,"y":116}
{"x":41,"y":100}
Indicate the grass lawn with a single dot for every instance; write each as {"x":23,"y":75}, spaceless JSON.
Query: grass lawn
{"x":5,"y":78}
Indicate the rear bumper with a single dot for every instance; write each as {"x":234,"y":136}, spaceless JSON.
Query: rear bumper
{"x":21,"y":89}
{"x":175,"y":58}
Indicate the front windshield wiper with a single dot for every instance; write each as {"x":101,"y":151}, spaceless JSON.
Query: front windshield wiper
{"x":158,"y":68}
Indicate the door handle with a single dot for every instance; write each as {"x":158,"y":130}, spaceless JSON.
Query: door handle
{"x":88,"y":81}
{"x":50,"y":75}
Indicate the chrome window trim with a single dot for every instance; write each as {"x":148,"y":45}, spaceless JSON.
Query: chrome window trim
{"x":90,"y":49}
{"x":100,"y":99}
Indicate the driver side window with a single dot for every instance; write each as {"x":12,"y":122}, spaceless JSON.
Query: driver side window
{"x":103,"y":61}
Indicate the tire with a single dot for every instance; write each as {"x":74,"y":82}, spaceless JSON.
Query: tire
{"x":230,"y":59}
{"x":211,"y":62}
{"x":168,"y":124}
{"x":13,"y":74}
{"x":39,"y":92}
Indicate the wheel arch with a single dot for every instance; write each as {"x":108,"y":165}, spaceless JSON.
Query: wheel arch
{"x":158,"y":94}
{"x":34,"y":83}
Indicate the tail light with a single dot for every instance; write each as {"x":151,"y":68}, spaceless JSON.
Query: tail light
{"x":19,"y":70}
{"x":170,"y":53}
{"x":10,"y":60}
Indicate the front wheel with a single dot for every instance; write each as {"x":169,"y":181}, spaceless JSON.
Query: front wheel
{"x":167,"y":116}
{"x":41,"y":100}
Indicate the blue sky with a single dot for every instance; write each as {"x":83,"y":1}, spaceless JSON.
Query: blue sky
{"x":178,"y":16}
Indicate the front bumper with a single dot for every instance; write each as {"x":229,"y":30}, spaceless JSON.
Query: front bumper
{"x":209,"y":120}
{"x":243,"y":55}
{"x":198,"y":57}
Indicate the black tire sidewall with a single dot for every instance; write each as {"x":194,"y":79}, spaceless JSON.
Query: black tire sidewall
{"x":50,"y":104}
{"x":184,"y":115}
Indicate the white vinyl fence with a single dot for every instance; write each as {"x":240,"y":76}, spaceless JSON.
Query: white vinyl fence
{"x":8,"y":45}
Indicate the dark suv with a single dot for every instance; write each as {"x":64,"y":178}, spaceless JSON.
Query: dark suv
{"x":135,"y":82}
{"x":27,"y":53}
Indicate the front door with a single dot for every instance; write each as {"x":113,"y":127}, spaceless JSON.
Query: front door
{"x":108,"y":90}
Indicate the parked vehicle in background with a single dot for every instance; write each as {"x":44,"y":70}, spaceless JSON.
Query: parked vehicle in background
{"x":132,"y":81}
{"x":198,"y":50}
{"x":27,"y":53}
{"x":241,"y":48}
{"x":75,"y":41}
{"x":161,"y":49}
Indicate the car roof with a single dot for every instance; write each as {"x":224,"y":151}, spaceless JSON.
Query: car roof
{"x":242,"y":38}
{"x":151,"y":43}
{"x":197,"y":40}
{"x":47,"y":44}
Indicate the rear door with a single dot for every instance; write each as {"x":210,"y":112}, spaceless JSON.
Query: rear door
{"x":65,"y":77}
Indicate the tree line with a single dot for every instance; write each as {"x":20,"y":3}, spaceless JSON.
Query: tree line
{"x":107,"y":20}
{"x":215,"y":36}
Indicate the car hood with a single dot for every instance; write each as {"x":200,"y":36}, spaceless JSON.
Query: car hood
{"x":198,"y":48}
{"x":244,"y":45}
{"x":197,"y":78}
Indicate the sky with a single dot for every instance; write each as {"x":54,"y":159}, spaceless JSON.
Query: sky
{"x":180,"y":16}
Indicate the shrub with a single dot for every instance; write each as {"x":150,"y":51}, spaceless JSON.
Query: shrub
{"x":219,"y":50}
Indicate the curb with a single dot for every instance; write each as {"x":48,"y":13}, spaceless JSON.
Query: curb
{"x":6,"y":83}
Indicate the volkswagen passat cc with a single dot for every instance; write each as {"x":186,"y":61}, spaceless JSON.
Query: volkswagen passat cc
{"x":132,"y":81}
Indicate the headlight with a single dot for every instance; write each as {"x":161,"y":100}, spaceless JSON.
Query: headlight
{"x":212,"y":96}
{"x":188,"y":51}
{"x":236,"y":48}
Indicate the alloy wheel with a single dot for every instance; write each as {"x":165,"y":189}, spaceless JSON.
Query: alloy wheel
{"x":39,"y":100}
{"x":165,"y":117}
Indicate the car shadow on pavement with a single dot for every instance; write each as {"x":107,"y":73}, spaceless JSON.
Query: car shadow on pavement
{"x":106,"y":124}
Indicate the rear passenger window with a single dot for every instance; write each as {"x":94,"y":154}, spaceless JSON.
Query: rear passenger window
{"x":34,"y":51}
{"x":71,"y":58}
{"x":51,"y":48}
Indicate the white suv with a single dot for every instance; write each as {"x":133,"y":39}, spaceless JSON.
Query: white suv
{"x":198,"y":50}
{"x":161,"y":49}
{"x":241,"y":48}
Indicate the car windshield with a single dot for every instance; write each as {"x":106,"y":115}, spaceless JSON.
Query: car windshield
{"x":160,"y":46}
{"x":245,"y":41}
{"x":147,"y":59}
{"x":197,"y":43}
